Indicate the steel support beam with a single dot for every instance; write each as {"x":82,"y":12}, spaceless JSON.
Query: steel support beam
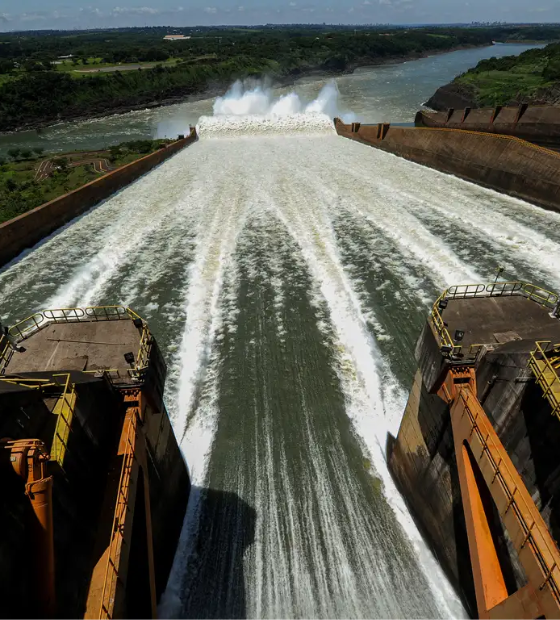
{"x":483,"y":460}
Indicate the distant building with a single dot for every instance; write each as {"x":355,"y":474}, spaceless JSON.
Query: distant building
{"x":175,"y":37}
{"x":66,"y":57}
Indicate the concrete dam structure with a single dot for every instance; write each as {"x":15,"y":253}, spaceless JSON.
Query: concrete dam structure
{"x":285,"y":275}
{"x":94,"y":485}
{"x":537,"y":124}
{"x":502,"y":162}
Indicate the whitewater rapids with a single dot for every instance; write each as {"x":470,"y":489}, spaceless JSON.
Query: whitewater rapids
{"x":287,"y":277}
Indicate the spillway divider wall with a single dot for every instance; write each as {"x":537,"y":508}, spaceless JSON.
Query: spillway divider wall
{"x":27,"y":229}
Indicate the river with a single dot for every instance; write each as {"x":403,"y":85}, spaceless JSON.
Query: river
{"x":286,"y":278}
{"x":384,"y":93}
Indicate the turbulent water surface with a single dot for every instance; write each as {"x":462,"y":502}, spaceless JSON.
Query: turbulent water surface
{"x":286,"y":275}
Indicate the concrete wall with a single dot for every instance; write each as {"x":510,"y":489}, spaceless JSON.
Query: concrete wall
{"x":540,"y":124}
{"x":29,"y":228}
{"x":503,"y":163}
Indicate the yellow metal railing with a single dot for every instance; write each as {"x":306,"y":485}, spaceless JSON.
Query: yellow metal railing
{"x":119,"y":521}
{"x":545,"y":365}
{"x":6,"y":352}
{"x":32,"y":384}
{"x":64,"y":408}
{"x":38,"y":321}
{"x":530,"y":291}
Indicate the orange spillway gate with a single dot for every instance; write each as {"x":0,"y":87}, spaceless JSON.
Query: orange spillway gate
{"x":485,"y":470}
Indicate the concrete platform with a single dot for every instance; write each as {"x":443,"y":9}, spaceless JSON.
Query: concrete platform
{"x":497,"y":320}
{"x":97,"y":345}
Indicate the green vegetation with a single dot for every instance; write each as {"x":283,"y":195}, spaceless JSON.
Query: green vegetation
{"x":21,"y":191}
{"x":42,"y":76}
{"x":37,"y":91}
{"x":529,"y":78}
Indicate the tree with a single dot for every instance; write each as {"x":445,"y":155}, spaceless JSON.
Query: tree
{"x":14,"y":153}
{"x":6,"y":66}
{"x":26,"y":153}
{"x":61,"y":163}
{"x":38,"y":150}
{"x":115,"y":153}
{"x":552,"y":71}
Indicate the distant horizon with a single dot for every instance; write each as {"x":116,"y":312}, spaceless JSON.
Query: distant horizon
{"x":41,"y":15}
{"x":471,"y":24}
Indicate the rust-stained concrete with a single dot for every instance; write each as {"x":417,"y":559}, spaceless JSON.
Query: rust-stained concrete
{"x":539,"y":124}
{"x":503,"y":163}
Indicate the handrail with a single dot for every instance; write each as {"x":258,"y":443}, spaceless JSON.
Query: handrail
{"x":143,"y":357}
{"x":547,"y":374}
{"x":119,"y":520}
{"x":28,"y":326}
{"x":32,"y":324}
{"x":64,"y":424}
{"x":6,"y":352}
{"x":107,"y":313}
{"x":530,"y":291}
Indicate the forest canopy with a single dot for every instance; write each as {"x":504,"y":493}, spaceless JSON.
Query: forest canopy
{"x":50,"y":76}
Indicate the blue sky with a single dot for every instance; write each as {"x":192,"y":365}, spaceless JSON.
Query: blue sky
{"x":40,"y":14}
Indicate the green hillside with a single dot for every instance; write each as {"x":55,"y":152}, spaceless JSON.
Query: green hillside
{"x":532,"y":77}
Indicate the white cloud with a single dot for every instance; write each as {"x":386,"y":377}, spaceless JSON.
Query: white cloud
{"x":141,"y":10}
{"x":211,"y":10}
{"x":367,"y":3}
{"x":293,"y":3}
{"x":33,"y":17}
{"x":241,"y":8}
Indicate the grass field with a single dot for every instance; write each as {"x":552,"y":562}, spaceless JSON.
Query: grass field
{"x":79,"y":70}
{"x":20,"y":191}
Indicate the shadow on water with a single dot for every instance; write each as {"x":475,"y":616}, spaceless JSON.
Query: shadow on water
{"x":215,"y":584}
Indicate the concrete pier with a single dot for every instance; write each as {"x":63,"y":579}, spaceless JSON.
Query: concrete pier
{"x":504,"y":328}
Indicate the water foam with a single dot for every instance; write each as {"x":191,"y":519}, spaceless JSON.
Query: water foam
{"x":247,"y":111}
{"x":244,"y":100}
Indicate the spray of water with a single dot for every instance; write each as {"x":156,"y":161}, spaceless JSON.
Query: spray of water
{"x":247,"y":110}
{"x":259,"y":100}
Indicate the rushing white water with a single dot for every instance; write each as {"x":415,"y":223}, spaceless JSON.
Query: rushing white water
{"x":246,"y":100}
{"x":286,"y":273}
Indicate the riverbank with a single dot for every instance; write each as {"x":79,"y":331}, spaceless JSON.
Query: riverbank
{"x":218,"y":88}
{"x":532,"y":78}
{"x":26,"y":182}
{"x":31,"y":225}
